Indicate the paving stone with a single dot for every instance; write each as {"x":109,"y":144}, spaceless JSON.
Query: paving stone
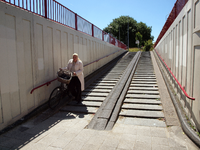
{"x":143,"y":143}
{"x":74,"y":145}
{"x":105,"y":147}
{"x":97,"y":139}
{"x":130,"y":129}
{"x":126,"y":144}
{"x":159,"y":132}
{"x":111,"y":142}
{"x":90,"y":147}
{"x":160,"y":141}
{"x":10,"y":142}
{"x":160,"y":147}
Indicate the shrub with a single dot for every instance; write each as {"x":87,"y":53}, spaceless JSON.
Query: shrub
{"x":148,"y":45}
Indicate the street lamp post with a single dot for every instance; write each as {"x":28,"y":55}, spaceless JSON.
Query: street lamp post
{"x":128,"y":33}
{"x":119,"y":33}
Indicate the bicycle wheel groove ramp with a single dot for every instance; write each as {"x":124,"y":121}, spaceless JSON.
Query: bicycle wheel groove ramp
{"x":142,"y":105}
{"x":95,"y":94}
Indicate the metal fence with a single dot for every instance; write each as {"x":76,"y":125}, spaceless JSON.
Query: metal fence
{"x":178,"y":6}
{"x":53,"y":10}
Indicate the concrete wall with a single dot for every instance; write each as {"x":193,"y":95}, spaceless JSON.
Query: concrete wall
{"x":31,"y":51}
{"x":180,"y":49}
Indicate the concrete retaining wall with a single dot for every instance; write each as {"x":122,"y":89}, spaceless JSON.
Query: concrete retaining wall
{"x":31,"y":51}
{"x":180,"y":49}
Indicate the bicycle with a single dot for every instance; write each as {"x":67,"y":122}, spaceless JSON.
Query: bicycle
{"x":64,"y":77}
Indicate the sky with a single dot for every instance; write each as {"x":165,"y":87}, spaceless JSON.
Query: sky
{"x":101,"y":13}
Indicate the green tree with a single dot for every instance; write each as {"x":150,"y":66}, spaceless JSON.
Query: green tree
{"x":145,"y":31}
{"x":119,"y":29}
{"x":148,"y":45}
{"x":138,"y":37}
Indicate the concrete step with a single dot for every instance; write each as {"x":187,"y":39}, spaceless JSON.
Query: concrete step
{"x":141,"y":113}
{"x":109,"y":80}
{"x":143,"y":75}
{"x":142,"y":82}
{"x":80,"y":109}
{"x":143,"y":79}
{"x":144,"y":71}
{"x":141,"y":107}
{"x":100,"y":87}
{"x":142,"y":122}
{"x":92,"y":98}
{"x":147,"y":74}
{"x":94,"y":94}
{"x":104,"y":84}
{"x":86,"y":103}
{"x":142,"y":101}
{"x":144,"y":88}
{"x":143,"y":96}
{"x":98,"y":90}
{"x":142,"y":92}
{"x":105,"y":81}
{"x":143,"y":85}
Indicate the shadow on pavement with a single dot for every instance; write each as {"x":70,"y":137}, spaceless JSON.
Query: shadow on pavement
{"x":48,"y":123}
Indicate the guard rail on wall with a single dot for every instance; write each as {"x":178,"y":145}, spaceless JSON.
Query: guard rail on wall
{"x":175,"y":78}
{"x":49,"y":82}
{"x":178,"y":6}
{"x":54,"y":11}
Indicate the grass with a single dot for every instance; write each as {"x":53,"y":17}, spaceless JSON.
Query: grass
{"x":135,"y":49}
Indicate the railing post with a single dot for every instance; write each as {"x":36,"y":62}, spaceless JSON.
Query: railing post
{"x":92,"y":30}
{"x":76,"y":26}
{"x":45,"y":8}
{"x":102,"y":35}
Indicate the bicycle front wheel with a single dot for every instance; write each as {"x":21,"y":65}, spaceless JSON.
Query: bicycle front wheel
{"x":55,"y":98}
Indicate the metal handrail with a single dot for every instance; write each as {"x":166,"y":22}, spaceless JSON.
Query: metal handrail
{"x":53,"y":10}
{"x":192,"y":98}
{"x":49,"y":82}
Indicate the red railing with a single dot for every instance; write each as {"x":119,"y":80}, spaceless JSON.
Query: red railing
{"x":175,"y":78}
{"x":49,"y":82}
{"x":53,"y":10}
{"x":178,"y":6}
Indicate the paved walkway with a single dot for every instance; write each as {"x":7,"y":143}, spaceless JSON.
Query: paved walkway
{"x":67,"y":131}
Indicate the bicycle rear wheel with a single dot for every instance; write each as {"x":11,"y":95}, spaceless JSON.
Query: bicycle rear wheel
{"x":55,"y":98}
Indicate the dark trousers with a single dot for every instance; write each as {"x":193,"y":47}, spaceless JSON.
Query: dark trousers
{"x":74,"y":88}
